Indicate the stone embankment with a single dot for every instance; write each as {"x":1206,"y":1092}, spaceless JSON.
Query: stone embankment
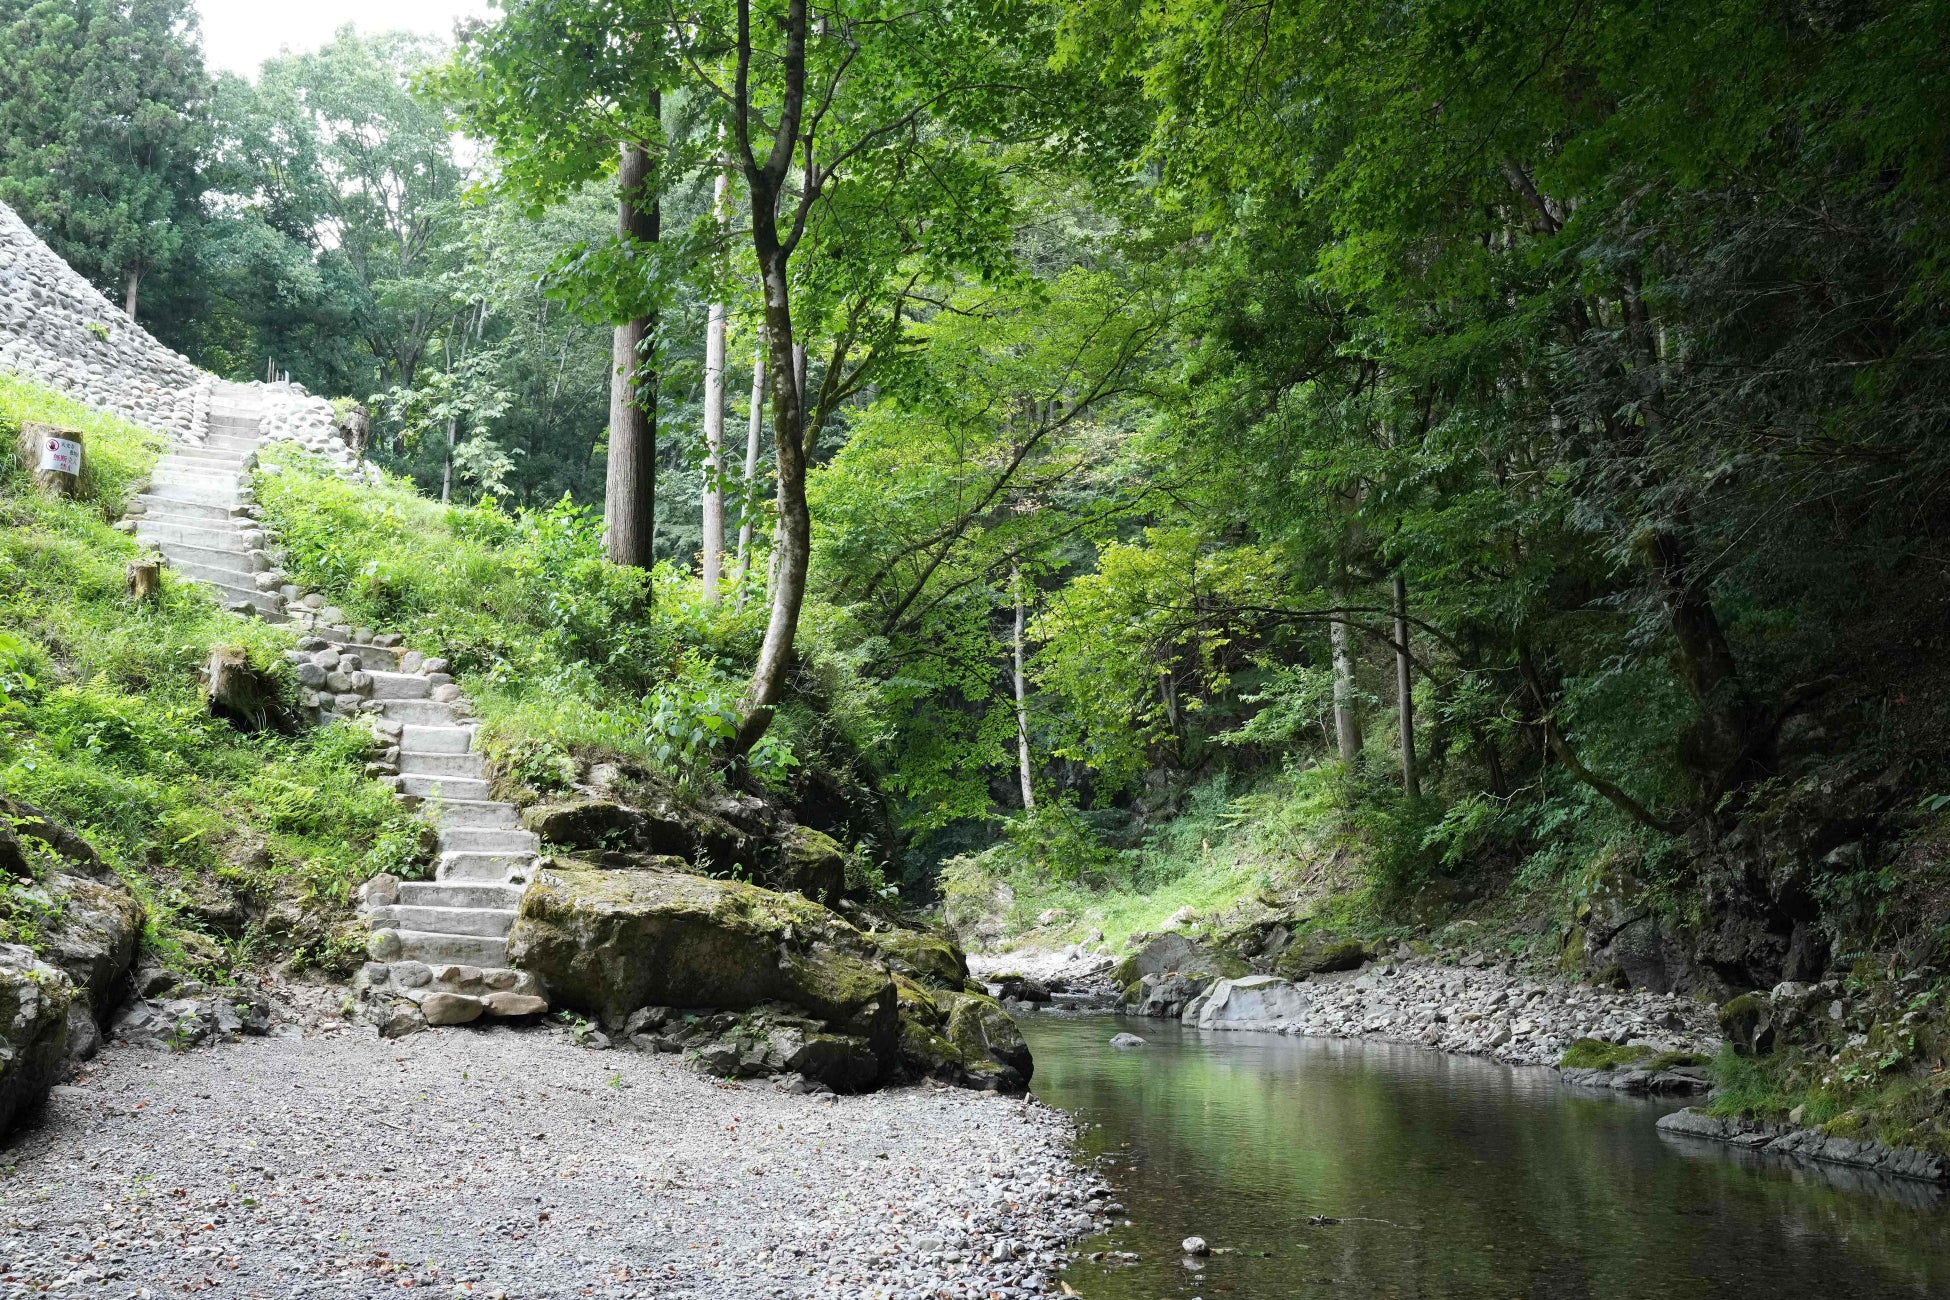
{"x":56,"y":328}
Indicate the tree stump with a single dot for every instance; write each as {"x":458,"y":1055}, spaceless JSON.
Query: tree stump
{"x":238,"y":693}
{"x":56,"y":457}
{"x":145,"y":580}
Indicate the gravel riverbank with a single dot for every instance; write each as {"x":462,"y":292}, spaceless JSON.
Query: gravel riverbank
{"x":513,"y":1162}
{"x":1519,"y":1019}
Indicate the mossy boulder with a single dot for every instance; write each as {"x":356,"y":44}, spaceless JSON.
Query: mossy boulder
{"x":1320,"y":955}
{"x":930,"y":959}
{"x":962,"y":1038}
{"x":1748,"y":1023}
{"x":609,"y":942}
{"x":809,"y":863}
{"x":585,"y":824}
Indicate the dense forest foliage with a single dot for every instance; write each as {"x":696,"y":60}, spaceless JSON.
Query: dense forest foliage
{"x":1445,"y":457}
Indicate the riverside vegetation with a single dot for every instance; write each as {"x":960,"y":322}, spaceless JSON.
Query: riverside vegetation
{"x":1491,"y":511}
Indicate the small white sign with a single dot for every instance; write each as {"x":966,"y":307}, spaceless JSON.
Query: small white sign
{"x":62,"y":455}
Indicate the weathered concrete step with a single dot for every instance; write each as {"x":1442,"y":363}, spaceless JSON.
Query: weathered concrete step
{"x":483,"y":866}
{"x":462,"y":949}
{"x":423,"y":713}
{"x":174,"y":511}
{"x":195,"y":494}
{"x":480,"y":922}
{"x":422,"y":764}
{"x":213,"y":459}
{"x":445,"y":788}
{"x":267,"y":602}
{"x":425,"y":893}
{"x":231,"y":559}
{"x":216,"y":538}
{"x":398,"y":686}
{"x":228,"y":579}
{"x":508,"y":840}
{"x":194,"y":473}
{"x":478,"y":814}
{"x":436,"y":740}
{"x":376,"y":658}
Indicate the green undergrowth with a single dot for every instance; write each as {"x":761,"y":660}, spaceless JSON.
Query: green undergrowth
{"x":240,"y":846}
{"x":1596,"y":1054}
{"x":563,"y":653}
{"x":1899,"y":1108}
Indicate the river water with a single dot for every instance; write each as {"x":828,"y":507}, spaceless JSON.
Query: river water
{"x":1448,"y":1176}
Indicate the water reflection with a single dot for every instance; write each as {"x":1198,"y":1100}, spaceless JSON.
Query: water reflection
{"x":1448,"y":1176}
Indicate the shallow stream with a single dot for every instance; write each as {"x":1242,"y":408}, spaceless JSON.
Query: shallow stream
{"x":1445,"y":1176}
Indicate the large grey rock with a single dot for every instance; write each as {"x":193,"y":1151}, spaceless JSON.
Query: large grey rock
{"x":1252,"y":1000}
{"x":34,"y":1002}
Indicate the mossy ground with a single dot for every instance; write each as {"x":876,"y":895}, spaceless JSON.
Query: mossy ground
{"x":240,"y":846}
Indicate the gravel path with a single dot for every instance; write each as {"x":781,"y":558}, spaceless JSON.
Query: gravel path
{"x":511,"y":1162}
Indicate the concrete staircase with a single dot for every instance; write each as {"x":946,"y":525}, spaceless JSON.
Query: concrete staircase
{"x":448,"y":935}
{"x":200,"y":514}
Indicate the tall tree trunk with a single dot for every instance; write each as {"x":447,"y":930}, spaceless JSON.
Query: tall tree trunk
{"x":714,"y":433}
{"x":133,"y":282}
{"x":1347,"y":722}
{"x":1024,"y":768}
{"x":630,"y":497}
{"x":1405,"y":691}
{"x":751,"y":472}
{"x":447,"y":470}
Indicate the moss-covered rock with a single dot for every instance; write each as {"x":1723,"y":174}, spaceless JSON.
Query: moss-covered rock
{"x":1320,"y":955}
{"x":808,"y":863}
{"x":962,"y":1038}
{"x":609,"y":942}
{"x":930,"y":959}
{"x":1748,"y":1023}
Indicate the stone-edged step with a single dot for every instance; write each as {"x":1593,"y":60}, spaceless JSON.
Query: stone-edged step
{"x":433,"y":948}
{"x":198,"y":473}
{"x":473,"y":922}
{"x":420,"y":713}
{"x":417,"y":763}
{"x":167,"y":533}
{"x":230,"y":559}
{"x":265,"y":602}
{"x":212,"y":515}
{"x":212,"y":493}
{"x":396,"y":685}
{"x":483,"y":866}
{"x":436,"y":740}
{"x":441,"y":893}
{"x":478,"y":814}
{"x":444,"y":788}
{"x":490,"y":839}
{"x":229,"y":579}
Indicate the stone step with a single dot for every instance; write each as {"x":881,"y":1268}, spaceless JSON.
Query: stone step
{"x":445,"y":788}
{"x":229,"y":579}
{"x":376,"y":658}
{"x":229,"y":559}
{"x":460,"y":949}
{"x":421,"y":713}
{"x":268,"y":602}
{"x":172,"y":469}
{"x":428,"y":893}
{"x":423,"y":764}
{"x":399,"y":686}
{"x":198,"y":494}
{"x":436,"y":740}
{"x":505,"y":840}
{"x":483,"y":866}
{"x":211,"y":537}
{"x":478,"y":814}
{"x":214,"y":458}
{"x":171,"y":510}
{"x":492,"y":923}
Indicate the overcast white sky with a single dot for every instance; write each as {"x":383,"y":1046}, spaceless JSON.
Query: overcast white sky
{"x":238,"y":35}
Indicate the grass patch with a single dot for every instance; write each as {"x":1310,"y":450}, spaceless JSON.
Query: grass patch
{"x":242,"y":847}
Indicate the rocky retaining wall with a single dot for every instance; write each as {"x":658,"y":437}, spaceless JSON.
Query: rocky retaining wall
{"x":56,"y":328}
